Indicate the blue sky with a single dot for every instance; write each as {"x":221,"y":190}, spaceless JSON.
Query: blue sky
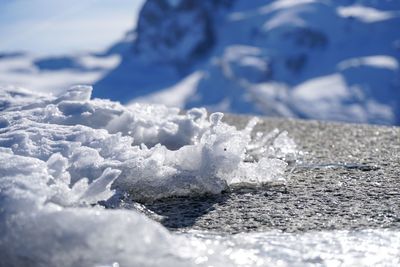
{"x":47,"y":27}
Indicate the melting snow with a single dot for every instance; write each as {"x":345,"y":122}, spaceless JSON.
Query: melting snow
{"x":59,"y":156}
{"x":156,"y":151}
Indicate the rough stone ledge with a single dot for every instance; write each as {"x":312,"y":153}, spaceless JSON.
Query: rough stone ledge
{"x":348,"y":178}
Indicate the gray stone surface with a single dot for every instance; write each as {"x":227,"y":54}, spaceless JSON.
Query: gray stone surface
{"x":348,"y":178}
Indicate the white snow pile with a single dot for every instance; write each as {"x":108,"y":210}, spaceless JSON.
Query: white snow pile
{"x":60,"y":156}
{"x":151,"y":151}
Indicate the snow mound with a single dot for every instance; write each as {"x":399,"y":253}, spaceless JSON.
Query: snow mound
{"x":60,"y":156}
{"x":147,"y":150}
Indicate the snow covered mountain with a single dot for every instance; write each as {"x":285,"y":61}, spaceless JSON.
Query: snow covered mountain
{"x":320,"y":59}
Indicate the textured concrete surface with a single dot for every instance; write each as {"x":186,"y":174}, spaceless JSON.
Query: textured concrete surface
{"x":348,"y":178}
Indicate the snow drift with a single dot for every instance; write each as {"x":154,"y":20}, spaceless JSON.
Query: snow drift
{"x":59,"y":156}
{"x":319,"y":59}
{"x":153,"y":150}
{"x":62,"y":157}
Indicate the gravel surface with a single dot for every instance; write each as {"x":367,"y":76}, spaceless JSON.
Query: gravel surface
{"x":347,"y":178}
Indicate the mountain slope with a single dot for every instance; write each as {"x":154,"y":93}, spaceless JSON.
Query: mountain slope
{"x":335,"y":60}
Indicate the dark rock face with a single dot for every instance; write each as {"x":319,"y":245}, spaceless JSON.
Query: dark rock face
{"x":176,"y":31}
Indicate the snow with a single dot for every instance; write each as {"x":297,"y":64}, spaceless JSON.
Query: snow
{"x":156,"y":151}
{"x":328,"y":87}
{"x":328,"y":93}
{"x":175,"y":96}
{"x":89,"y":61}
{"x":22,"y":71}
{"x":62,"y":156}
{"x":282,"y":4}
{"x":285,"y":18}
{"x":378,"y":61}
{"x":366,"y":14}
{"x":266,"y":50}
{"x":245,"y":57}
{"x":326,"y":248}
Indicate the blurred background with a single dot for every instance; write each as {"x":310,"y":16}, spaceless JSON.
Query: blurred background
{"x":313,"y":59}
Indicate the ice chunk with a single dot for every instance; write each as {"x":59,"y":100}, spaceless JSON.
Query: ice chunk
{"x":284,"y":147}
{"x":99,"y":189}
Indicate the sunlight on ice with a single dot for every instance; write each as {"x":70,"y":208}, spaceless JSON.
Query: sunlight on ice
{"x":153,"y":150}
{"x":61,"y":155}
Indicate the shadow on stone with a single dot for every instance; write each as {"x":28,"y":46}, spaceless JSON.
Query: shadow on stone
{"x":182,"y":212}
